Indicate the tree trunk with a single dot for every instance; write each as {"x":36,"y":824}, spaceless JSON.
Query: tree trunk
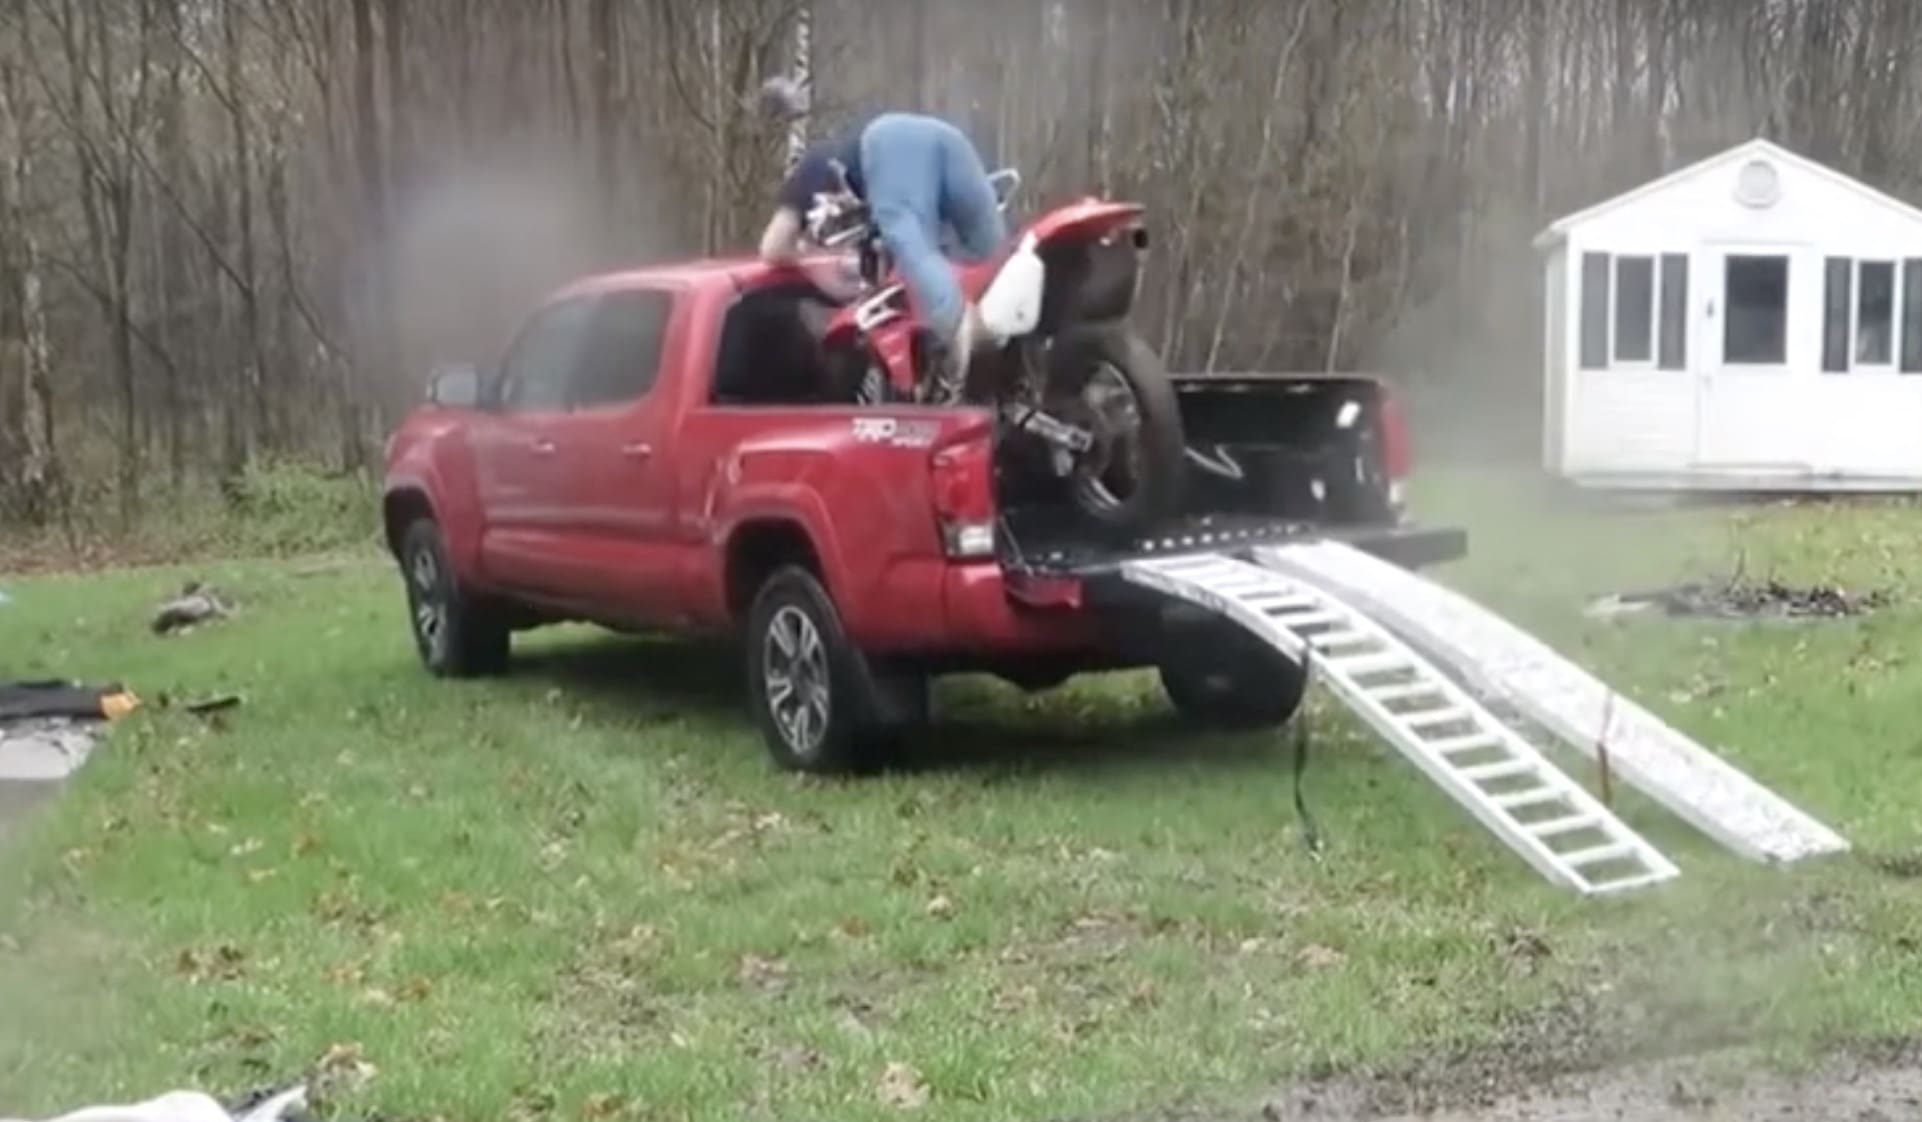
{"x":28,"y":470}
{"x":1535,"y":106}
{"x":252,"y":388}
{"x":605,"y":74}
{"x":374,"y":350}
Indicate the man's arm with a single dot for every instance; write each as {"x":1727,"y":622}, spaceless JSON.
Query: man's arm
{"x":781,"y":241}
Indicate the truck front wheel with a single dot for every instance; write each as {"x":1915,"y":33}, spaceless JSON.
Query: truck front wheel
{"x":810,"y":687}
{"x":1237,"y":682}
{"x":457,"y":634}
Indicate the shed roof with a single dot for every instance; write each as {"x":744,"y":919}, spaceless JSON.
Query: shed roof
{"x":1558,"y":230}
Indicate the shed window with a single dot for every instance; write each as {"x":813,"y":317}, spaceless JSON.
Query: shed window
{"x":1872,"y":315}
{"x":1838,"y":295}
{"x":1674,"y":350}
{"x":1594,"y":311}
{"x":1634,"y":311}
{"x":1634,"y":308}
{"x":1875,"y":313}
{"x":1756,"y":325}
{"x":1912,"y":316}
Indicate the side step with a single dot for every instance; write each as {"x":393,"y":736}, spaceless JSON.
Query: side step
{"x":1503,"y":663}
{"x":1555,"y":825}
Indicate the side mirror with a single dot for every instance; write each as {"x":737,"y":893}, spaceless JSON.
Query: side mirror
{"x":454,"y":385}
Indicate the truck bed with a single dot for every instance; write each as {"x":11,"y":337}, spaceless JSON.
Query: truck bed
{"x":1273,"y":458}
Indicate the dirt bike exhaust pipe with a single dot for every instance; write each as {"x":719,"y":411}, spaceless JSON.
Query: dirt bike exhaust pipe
{"x":1057,"y":433}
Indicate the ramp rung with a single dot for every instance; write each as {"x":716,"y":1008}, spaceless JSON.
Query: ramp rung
{"x":1482,"y":773}
{"x":1356,"y":665}
{"x":1425,"y":718}
{"x":1530,"y":797}
{"x":1307,"y":619}
{"x":1555,"y":827}
{"x":1640,"y":880}
{"x":1277,"y":600}
{"x":1449,"y":745}
{"x":1329,"y":640}
{"x":1293,"y":615}
{"x":1595,"y":855}
{"x":1403,"y":691}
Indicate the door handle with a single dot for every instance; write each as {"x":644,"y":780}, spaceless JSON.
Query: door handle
{"x":637,"y":449}
{"x":543,"y":447}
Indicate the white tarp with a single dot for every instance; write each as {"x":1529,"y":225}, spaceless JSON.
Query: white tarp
{"x":185,"y":1106}
{"x":45,"y":750}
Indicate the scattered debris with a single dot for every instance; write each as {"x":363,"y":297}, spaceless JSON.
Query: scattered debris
{"x":770,"y":976}
{"x":196,"y":604}
{"x":55,"y":697}
{"x":902,"y":1088}
{"x":343,"y":1067}
{"x":1318,"y":957}
{"x":1739,"y":599}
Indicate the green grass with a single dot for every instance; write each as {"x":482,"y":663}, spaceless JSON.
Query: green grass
{"x":273,"y":510}
{"x":582,"y":892}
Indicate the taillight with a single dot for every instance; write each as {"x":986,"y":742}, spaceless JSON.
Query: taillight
{"x":963,"y":487}
{"x":1396,"y":457}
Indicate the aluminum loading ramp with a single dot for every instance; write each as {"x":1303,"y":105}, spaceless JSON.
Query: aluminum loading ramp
{"x":1491,"y":770}
{"x":1502,"y":663}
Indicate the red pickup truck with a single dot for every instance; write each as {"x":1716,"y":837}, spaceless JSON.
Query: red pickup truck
{"x":667,"y":450}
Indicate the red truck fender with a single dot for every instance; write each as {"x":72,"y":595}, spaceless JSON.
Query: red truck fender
{"x":433,"y":477}
{"x":796,"y":514}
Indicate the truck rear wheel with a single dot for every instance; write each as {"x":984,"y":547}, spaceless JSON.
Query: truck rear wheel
{"x":458,"y":635}
{"x":1234,"y":681}
{"x":811,"y":688}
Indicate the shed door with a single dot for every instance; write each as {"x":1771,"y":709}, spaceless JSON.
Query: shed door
{"x":1751,"y":397}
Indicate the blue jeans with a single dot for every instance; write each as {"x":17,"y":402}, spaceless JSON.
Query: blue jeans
{"x":921,"y":172}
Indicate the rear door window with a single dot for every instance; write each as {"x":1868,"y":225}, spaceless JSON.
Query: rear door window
{"x":621,"y":360}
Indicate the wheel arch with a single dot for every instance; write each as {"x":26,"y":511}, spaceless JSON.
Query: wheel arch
{"x":401,"y":507}
{"x":759,"y":547}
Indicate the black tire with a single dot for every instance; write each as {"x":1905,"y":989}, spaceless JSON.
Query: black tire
{"x":457,"y":634}
{"x":1234,"y":681}
{"x":1078,"y":355}
{"x":826,"y":723}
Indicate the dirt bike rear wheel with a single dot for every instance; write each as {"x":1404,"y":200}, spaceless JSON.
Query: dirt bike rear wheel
{"x":1107,"y":379}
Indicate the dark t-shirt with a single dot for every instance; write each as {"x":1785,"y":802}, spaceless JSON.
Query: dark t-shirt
{"x":814,"y":172}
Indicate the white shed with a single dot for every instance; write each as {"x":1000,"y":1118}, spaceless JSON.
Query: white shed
{"x":1752,"y":321}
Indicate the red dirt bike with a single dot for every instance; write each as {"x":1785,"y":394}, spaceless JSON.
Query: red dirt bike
{"x":1078,"y":396}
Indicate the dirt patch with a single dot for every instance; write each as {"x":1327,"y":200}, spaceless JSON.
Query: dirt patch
{"x":1739,"y":599}
{"x":1882,"y":1083}
{"x":1851,"y":1089}
{"x":1584,"y":1060}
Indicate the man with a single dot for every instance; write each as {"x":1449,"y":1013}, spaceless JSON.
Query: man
{"x":916,"y":173}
